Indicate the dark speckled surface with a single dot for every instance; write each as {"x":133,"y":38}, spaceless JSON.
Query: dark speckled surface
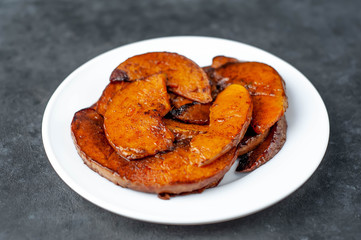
{"x":41,"y":42}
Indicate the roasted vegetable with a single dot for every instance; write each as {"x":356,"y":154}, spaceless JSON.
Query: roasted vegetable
{"x":164,"y":173}
{"x":178,"y":101}
{"x":164,"y":125}
{"x":219,"y":61}
{"x":101,"y":105}
{"x":189,"y":111}
{"x":264,"y":84}
{"x":184,"y":131}
{"x":250,"y":141}
{"x":185,"y":77}
{"x":266,"y":150}
{"x":133,"y":120}
{"x":194,"y":113}
{"x":88,"y":135}
{"x":230,"y":116}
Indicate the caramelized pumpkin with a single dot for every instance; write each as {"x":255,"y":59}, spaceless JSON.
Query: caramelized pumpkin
{"x":219,"y":61}
{"x":230,"y":116}
{"x":264,"y":84}
{"x":133,"y":120}
{"x":250,"y":141}
{"x":189,"y":111}
{"x":184,"y":131}
{"x":170,"y":172}
{"x":101,"y":105}
{"x":185,"y":77}
{"x":266,"y":150}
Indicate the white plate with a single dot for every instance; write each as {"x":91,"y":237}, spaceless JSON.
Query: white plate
{"x":238,"y":194}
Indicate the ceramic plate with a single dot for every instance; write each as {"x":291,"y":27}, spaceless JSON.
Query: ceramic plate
{"x":238,"y":194}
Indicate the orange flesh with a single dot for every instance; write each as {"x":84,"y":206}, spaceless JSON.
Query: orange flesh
{"x":170,"y":172}
{"x":193,"y":113}
{"x":133,"y":120}
{"x":178,"y":101}
{"x":108,"y":93}
{"x":219,"y":61}
{"x":189,"y":111}
{"x":184,"y":131}
{"x":264,"y":84}
{"x":136,"y":100}
{"x":185,"y":77}
{"x":230,"y":116}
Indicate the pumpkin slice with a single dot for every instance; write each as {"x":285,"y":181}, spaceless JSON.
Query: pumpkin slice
{"x":133,"y":120}
{"x":185,"y":77}
{"x":189,"y":111}
{"x":264,"y":84}
{"x":266,"y":150}
{"x":219,"y":61}
{"x":184,"y":131}
{"x":178,"y":101}
{"x":164,"y":173}
{"x":88,"y":135}
{"x":250,"y":141}
{"x":230,"y":116}
{"x":193,"y":113}
{"x":101,"y":105}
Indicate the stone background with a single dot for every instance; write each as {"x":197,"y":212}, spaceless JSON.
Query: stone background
{"x":41,"y":42}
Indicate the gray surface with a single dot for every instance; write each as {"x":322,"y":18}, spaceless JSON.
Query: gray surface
{"x":41,"y":42}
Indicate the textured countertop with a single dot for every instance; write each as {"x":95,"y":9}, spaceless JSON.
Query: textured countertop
{"x":41,"y":42}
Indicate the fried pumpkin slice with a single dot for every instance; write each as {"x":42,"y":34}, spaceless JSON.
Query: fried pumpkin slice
{"x":266,"y":150}
{"x":250,"y":141}
{"x":101,"y":105}
{"x":189,"y":111}
{"x":193,"y":112}
{"x":264,"y":84}
{"x":183,"y":131}
{"x":230,"y":116}
{"x":185,"y":77}
{"x":219,"y":61}
{"x":164,"y":173}
{"x":178,"y":101}
{"x":88,"y":135}
{"x":133,"y":120}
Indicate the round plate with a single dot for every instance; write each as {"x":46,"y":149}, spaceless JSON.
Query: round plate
{"x":239,"y":194}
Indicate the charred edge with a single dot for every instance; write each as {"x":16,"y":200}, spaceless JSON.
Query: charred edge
{"x":243,"y":162}
{"x":179,"y":111}
{"x":209,"y":72}
{"x":119,"y":75}
{"x":167,"y":196}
